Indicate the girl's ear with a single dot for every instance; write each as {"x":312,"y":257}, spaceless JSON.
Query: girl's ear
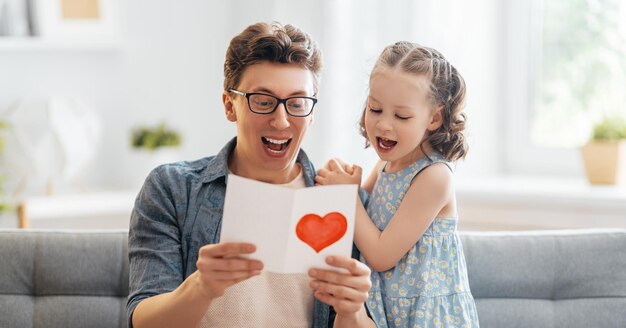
{"x":436,"y":120}
{"x":229,"y":108}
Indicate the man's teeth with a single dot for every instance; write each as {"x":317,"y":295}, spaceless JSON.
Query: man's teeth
{"x":276,"y":145}
{"x":276,"y":141}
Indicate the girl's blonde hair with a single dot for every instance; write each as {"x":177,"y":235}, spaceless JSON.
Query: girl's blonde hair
{"x":447,"y":91}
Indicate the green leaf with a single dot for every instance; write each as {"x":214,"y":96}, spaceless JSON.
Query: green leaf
{"x":610,"y":129}
{"x":152,"y":138}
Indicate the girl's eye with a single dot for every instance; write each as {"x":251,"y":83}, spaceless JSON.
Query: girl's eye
{"x":376,"y":110}
{"x":403,"y":117}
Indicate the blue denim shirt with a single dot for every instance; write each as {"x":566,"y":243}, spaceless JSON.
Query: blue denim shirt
{"x":178,"y":210}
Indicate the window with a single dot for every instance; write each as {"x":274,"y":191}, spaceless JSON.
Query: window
{"x":565,"y":69}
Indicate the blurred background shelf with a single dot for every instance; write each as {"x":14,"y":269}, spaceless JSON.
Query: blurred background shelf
{"x":93,"y":210}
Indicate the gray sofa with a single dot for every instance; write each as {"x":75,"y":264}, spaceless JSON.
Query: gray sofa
{"x":63,"y":279}
{"x":525,"y":279}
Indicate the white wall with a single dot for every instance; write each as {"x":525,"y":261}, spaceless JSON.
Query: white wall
{"x":169,"y":67}
{"x":169,"y":64}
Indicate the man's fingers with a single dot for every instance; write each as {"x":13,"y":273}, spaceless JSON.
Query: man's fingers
{"x":223,"y":249}
{"x":338,"y":304}
{"x":358,"y":278}
{"x":233,"y":264}
{"x":342,"y":279}
{"x":233,"y":275}
{"x":337,"y":290}
{"x":353,"y":266}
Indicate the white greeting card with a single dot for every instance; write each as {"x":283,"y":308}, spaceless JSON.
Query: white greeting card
{"x":293,"y":229}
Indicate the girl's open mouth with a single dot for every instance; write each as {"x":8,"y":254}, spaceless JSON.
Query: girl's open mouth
{"x":385,"y":144}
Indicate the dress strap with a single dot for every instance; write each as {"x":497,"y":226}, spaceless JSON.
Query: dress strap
{"x":432,"y":158}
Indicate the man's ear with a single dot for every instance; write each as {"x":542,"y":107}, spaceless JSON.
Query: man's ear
{"x":229,"y":108}
{"x":436,"y":120}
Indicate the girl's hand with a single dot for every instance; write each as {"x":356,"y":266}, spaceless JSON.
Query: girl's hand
{"x":337,"y":171}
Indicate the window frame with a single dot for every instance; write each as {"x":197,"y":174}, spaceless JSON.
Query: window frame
{"x":523,"y":26}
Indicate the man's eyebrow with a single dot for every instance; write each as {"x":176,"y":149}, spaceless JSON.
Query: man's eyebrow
{"x":268,"y":91}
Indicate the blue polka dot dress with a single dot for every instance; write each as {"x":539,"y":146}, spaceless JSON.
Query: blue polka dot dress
{"x":429,"y":286}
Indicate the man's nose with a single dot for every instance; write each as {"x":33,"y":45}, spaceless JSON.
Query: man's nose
{"x":280,"y":119}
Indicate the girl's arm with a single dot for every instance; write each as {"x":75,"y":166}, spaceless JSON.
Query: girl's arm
{"x":431,"y":194}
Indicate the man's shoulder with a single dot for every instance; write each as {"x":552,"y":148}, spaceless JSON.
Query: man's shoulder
{"x":188,"y":171}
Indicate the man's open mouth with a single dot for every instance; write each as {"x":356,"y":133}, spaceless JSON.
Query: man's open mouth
{"x":276,"y":145}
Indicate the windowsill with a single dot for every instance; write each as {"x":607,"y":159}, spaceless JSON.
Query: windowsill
{"x":523,"y":202}
{"x":542,"y":191}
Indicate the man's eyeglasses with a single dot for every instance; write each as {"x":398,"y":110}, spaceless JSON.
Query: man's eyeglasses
{"x":262,"y":103}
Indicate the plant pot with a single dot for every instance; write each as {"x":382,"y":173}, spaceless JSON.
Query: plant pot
{"x":605,"y":161}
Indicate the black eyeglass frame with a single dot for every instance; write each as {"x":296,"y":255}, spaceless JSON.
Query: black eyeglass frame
{"x":278,"y":102}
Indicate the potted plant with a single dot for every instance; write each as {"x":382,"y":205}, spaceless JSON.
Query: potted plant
{"x":604,"y":155}
{"x":154,"y":138}
{"x":152,"y":146}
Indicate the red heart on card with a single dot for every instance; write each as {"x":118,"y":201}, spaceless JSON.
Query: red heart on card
{"x":321,"y":232}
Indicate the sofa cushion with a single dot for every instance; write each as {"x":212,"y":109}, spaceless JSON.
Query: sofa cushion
{"x":574,"y":278}
{"x":63,"y":279}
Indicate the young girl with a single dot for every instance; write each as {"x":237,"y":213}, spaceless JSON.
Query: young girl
{"x":414,"y":120}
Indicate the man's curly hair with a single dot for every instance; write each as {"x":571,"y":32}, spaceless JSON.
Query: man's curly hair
{"x":274,"y":43}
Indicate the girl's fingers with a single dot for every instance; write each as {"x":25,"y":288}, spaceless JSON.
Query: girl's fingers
{"x":322,"y":172}
{"x":357,"y":171}
{"x":333,"y":165}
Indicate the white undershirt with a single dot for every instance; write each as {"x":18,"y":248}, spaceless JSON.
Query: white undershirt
{"x":267,"y":300}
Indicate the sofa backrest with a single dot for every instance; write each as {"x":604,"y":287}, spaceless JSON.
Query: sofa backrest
{"x":63,"y":279}
{"x":521,"y":279}
{"x":548,"y":279}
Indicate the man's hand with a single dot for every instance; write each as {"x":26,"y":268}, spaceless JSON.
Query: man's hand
{"x":345,"y":292}
{"x":337,"y":171}
{"x":219,"y":267}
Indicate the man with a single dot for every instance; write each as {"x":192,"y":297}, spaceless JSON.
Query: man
{"x":180,"y":274}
